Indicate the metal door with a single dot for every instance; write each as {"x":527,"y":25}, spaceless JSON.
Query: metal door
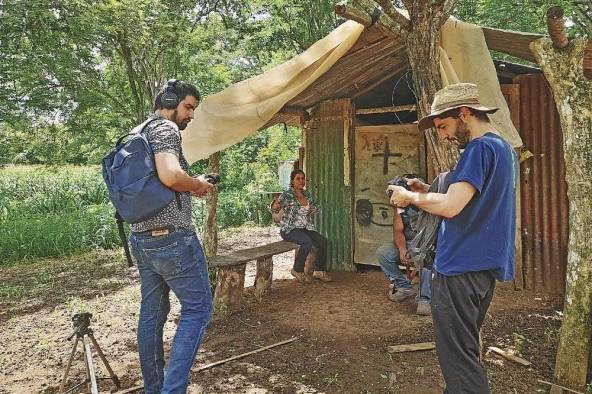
{"x":381,"y":153}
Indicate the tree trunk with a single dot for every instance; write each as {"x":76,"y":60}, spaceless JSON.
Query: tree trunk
{"x":422,"y":36}
{"x":564,"y":71}
{"x":422,"y":45}
{"x":210,"y":236}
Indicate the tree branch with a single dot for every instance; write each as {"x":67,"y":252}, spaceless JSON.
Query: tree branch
{"x":556,"y":27}
{"x":445,"y":7}
{"x":348,"y":12}
{"x":394,"y":14}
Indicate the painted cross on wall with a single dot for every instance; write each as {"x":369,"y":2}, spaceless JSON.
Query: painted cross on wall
{"x":387,"y":154}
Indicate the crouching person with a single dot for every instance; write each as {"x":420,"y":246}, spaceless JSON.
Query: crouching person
{"x":392,"y":255}
{"x":168,"y":252}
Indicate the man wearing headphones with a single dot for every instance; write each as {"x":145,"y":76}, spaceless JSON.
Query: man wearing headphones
{"x":168,"y":252}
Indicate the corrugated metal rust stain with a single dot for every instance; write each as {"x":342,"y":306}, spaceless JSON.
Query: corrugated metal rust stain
{"x":324,"y":166}
{"x":543,"y":190}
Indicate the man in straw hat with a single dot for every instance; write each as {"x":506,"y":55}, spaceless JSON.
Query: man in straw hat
{"x":476,"y":237}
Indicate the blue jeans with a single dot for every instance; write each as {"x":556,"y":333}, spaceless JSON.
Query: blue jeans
{"x":307,"y":239}
{"x":170,"y":262}
{"x":389,"y":259}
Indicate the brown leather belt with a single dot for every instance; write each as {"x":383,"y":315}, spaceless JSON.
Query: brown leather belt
{"x":159,"y":232}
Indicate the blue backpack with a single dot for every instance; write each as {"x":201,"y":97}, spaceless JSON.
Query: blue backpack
{"x":135,"y":190}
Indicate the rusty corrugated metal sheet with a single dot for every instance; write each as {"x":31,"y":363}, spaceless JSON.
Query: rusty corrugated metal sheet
{"x":544,"y":204}
{"x":326,"y":167}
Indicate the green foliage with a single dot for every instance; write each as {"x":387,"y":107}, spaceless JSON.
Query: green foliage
{"x":75,"y":75}
{"x":519,"y":15}
{"x":53,"y":212}
{"x":62,"y":210}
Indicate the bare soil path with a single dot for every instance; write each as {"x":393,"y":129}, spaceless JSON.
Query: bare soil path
{"x":343,"y":330}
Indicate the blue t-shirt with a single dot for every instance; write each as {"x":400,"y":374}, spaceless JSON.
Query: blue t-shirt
{"x":481,"y":236}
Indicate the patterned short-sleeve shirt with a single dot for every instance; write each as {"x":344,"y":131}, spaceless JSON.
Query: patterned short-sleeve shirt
{"x":296,"y":215}
{"x":164,"y":136}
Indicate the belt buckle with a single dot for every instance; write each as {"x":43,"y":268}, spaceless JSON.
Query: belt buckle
{"x":159,"y":232}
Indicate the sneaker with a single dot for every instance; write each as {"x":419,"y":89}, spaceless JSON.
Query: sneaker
{"x":401,"y":295}
{"x":390,"y":291}
{"x":323,"y":276}
{"x":423,"y":308}
{"x":300,"y":277}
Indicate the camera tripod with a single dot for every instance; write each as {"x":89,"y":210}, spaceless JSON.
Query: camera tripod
{"x":81,"y":322}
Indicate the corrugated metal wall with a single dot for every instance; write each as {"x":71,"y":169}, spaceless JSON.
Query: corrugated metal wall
{"x":544,"y":204}
{"x":327,"y":157}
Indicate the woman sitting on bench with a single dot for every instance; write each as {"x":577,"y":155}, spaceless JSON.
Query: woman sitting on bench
{"x":297,"y":227}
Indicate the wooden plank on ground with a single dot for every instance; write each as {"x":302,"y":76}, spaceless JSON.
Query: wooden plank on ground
{"x":246,"y":255}
{"x":412,"y":347}
{"x":509,"y":356}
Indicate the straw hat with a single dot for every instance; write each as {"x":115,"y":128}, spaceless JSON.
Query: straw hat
{"x":454,"y":96}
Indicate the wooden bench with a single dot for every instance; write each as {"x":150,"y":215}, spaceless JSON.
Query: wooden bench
{"x":231,"y":273}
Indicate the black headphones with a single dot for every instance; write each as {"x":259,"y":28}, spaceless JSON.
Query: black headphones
{"x":169,"y":98}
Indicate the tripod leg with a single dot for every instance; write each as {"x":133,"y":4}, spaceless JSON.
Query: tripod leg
{"x":90,"y":370}
{"x":104,"y":359}
{"x":68,"y":365}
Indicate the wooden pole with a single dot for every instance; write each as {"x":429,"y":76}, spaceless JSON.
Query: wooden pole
{"x":244,"y":355}
{"x":210,"y":236}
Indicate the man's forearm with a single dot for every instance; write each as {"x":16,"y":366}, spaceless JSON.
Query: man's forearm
{"x":434,"y":203}
{"x":182,"y":182}
{"x":400,"y":242}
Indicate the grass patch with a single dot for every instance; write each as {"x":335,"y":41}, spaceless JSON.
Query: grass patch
{"x":34,"y":236}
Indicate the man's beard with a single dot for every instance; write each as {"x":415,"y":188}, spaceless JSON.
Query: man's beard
{"x":463,"y":136}
{"x":182,"y":125}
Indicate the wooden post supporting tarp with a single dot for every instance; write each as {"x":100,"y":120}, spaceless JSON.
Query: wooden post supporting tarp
{"x":210,"y":236}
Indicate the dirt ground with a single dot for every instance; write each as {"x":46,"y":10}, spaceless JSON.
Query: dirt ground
{"x":342,"y":328}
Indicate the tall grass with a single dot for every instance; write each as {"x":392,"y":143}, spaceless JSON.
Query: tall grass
{"x":53,"y":212}
{"x":46,"y":211}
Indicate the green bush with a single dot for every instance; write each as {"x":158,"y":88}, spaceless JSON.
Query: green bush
{"x":50,"y":234}
{"x":61,"y":211}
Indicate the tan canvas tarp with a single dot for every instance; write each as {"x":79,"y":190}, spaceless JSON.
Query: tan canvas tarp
{"x":464,"y":57}
{"x":228,"y":117}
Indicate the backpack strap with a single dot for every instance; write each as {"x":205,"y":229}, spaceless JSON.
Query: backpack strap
{"x":123,"y":237}
{"x":142,"y":128}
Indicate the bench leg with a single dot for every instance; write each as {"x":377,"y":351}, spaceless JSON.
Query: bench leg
{"x":309,"y":264}
{"x":229,"y":290}
{"x":264,"y":276}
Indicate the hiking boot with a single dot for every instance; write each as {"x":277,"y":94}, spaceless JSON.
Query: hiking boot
{"x":323,"y":276}
{"x":401,"y":295}
{"x":423,"y":308}
{"x":300,"y":277}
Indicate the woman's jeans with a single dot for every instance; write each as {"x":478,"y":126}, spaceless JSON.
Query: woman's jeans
{"x":170,"y":262}
{"x":307,"y":239}
{"x":389,"y":259}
